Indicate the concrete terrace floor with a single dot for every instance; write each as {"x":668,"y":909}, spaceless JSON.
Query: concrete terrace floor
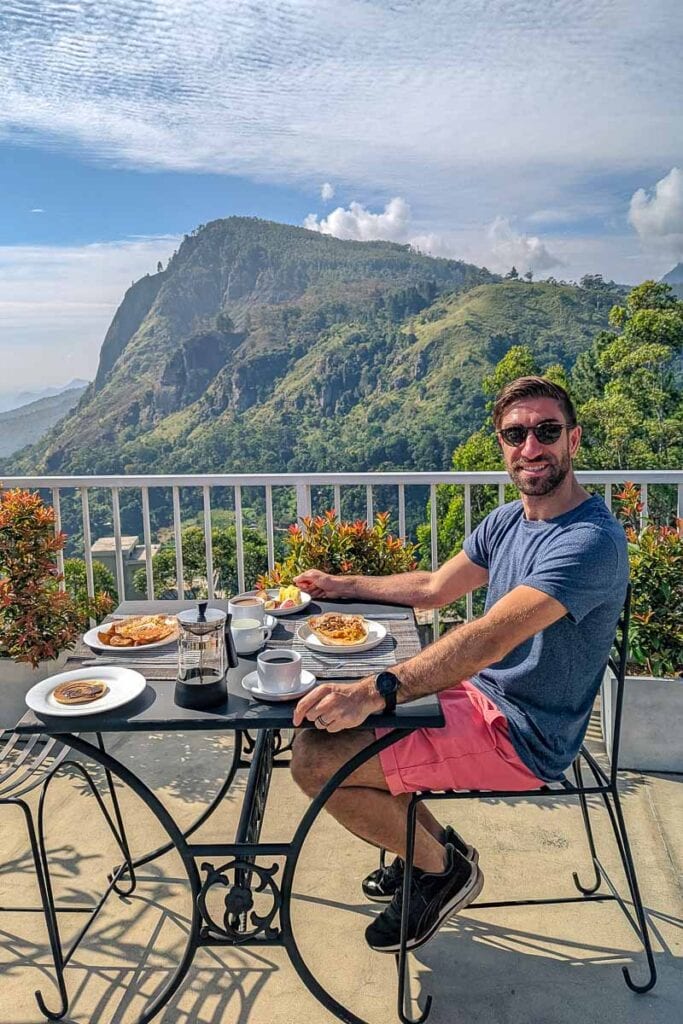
{"x":528,"y":965}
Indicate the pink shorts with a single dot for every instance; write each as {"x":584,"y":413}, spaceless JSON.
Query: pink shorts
{"x":472,"y":751}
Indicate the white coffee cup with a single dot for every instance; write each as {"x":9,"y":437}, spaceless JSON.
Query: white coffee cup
{"x":249,"y":635}
{"x":279,"y":671}
{"x":246,"y":606}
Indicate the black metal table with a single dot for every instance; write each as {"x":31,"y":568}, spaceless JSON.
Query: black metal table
{"x":235,"y":866}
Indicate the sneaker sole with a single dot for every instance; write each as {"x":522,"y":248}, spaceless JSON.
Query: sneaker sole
{"x":472,"y":856}
{"x":458,"y":903}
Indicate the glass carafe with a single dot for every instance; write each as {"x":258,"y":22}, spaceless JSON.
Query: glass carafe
{"x":202,"y":657}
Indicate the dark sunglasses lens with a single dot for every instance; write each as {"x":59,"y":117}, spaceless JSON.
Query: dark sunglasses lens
{"x":548,"y":433}
{"x":514,"y":435}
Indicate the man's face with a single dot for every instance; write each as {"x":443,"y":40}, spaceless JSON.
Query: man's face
{"x":538,"y":468}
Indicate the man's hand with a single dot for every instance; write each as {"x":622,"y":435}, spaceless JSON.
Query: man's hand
{"x":337,"y":706}
{"x":319,"y":584}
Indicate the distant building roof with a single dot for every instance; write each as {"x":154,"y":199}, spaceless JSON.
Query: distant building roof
{"x":107,"y":545}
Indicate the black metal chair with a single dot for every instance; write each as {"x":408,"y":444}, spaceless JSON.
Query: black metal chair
{"x":30,"y":763}
{"x":605,"y":785}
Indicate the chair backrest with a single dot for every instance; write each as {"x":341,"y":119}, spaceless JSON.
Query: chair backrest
{"x":617,"y":663}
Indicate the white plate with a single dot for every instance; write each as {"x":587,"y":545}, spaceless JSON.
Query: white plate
{"x":251,"y":684}
{"x":273,"y":592}
{"x":95,"y":644}
{"x":125,"y":684}
{"x":376,"y":633}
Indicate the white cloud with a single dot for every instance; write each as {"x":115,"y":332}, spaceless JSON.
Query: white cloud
{"x":56,"y":304}
{"x":551,"y":217}
{"x":327,"y":192}
{"x":448,"y":96}
{"x":360,"y":223}
{"x":658,"y":216}
{"x":510,"y":248}
{"x":37,"y":209}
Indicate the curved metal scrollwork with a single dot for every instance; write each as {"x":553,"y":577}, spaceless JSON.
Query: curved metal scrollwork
{"x":239,"y":901}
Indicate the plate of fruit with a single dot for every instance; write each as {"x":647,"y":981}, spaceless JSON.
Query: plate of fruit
{"x":283,"y":600}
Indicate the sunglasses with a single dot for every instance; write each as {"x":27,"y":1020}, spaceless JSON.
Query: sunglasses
{"x":545,"y":433}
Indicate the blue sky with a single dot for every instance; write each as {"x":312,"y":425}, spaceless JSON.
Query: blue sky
{"x":534,"y":132}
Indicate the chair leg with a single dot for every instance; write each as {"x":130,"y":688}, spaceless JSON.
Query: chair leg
{"x":619,"y":827}
{"x":402,"y":955}
{"x":47,"y":901}
{"x":587,"y":890}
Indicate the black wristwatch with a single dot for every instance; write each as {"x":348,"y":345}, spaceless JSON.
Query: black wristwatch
{"x":387,"y":684}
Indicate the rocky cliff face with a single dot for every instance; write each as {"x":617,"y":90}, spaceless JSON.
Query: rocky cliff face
{"x":240,"y":302}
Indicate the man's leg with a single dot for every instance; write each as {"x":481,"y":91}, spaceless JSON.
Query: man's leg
{"x":445,"y":880}
{"x":363,"y":803}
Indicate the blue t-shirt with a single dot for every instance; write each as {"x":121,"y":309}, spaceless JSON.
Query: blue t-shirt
{"x":546,"y":686}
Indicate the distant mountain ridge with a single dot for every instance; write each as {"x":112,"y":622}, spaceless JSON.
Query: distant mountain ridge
{"x":28,"y":423}
{"x":264,"y":346}
{"x":15,"y":399}
{"x":675,"y":279}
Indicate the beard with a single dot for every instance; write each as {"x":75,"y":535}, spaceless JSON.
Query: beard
{"x":553,"y":476}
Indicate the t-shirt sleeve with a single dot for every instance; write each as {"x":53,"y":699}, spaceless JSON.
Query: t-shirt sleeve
{"x":577,"y":571}
{"x":477,"y":545}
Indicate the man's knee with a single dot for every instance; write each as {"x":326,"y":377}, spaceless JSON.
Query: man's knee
{"x":311,"y":761}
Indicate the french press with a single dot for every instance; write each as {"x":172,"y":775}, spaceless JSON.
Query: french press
{"x":205,"y":652}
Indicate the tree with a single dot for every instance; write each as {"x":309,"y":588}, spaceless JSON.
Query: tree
{"x":629,"y":385}
{"x":512,"y":274}
{"x":529,"y":276}
{"x":224,"y":323}
{"x":160,"y":267}
{"x":75,"y":578}
{"x":224,"y":546}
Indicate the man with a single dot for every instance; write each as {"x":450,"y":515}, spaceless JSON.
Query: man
{"x":516,"y":686}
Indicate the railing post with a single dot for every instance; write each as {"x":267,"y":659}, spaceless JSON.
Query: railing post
{"x":434,"y":522}
{"x":208,"y":542}
{"x":118,"y":545}
{"x":58,"y":529}
{"x":303,"y":499}
{"x":147,"y":536}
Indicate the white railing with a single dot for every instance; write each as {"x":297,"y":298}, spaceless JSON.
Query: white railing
{"x":302,"y":484}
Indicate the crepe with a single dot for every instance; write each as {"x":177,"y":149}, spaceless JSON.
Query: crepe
{"x":337,"y":629}
{"x":80,"y":691}
{"x":138,"y":631}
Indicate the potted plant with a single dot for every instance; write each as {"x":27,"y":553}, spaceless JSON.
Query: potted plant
{"x":652,"y":713}
{"x":322,"y":542}
{"x":39,"y":622}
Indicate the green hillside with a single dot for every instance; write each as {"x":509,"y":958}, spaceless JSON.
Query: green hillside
{"x":268,"y":347}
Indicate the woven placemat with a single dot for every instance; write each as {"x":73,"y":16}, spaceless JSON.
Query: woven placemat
{"x":401,"y":642}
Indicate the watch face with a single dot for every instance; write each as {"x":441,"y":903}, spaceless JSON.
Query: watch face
{"x":386,"y":683}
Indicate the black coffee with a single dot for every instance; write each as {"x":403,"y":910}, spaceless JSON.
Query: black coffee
{"x":280,"y":661}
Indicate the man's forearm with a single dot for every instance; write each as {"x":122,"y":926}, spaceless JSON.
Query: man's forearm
{"x":456,"y":656}
{"x":411,"y":588}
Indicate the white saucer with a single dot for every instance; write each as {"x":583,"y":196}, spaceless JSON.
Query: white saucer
{"x":251,"y":684}
{"x":125,"y":684}
{"x":376,"y":633}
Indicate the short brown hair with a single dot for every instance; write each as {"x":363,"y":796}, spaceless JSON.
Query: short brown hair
{"x":532,"y":387}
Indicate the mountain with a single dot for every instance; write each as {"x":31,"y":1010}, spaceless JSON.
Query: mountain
{"x":15,"y":399}
{"x":268,"y":347}
{"x":28,"y":423}
{"x":675,"y":279}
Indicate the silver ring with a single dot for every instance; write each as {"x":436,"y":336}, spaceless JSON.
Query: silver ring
{"x":322,"y":721}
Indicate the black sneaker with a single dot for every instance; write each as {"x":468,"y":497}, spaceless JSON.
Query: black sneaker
{"x":381,"y":884}
{"x":433,"y":899}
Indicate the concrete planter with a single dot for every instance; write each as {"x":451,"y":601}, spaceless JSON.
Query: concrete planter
{"x":16,"y":679}
{"x":651,"y":722}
